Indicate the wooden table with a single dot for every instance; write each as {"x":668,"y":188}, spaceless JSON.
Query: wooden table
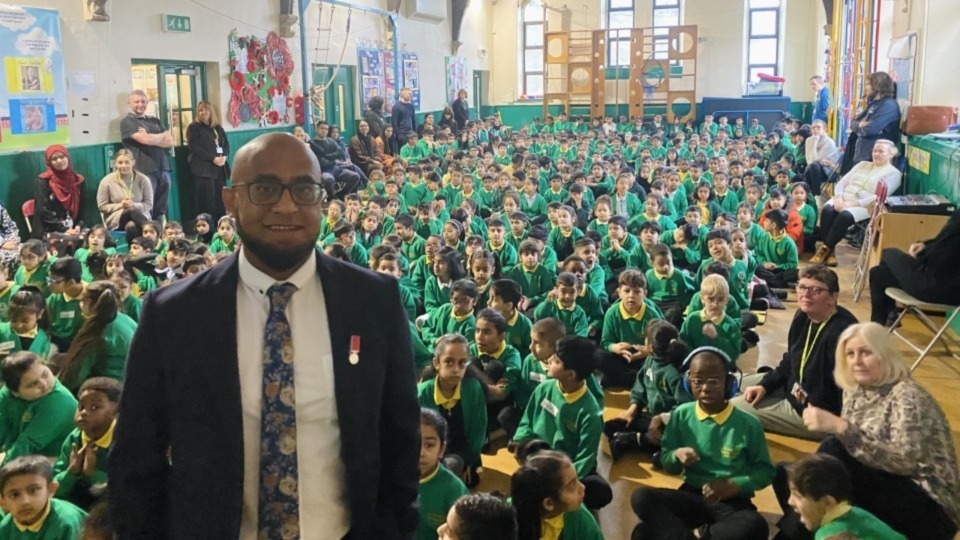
{"x":896,"y":230}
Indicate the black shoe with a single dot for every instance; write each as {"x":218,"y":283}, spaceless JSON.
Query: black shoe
{"x":655,"y":461}
{"x":751,"y":337}
{"x":781,"y":294}
{"x":621,"y":443}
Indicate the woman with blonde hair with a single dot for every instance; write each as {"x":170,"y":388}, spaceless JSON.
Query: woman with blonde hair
{"x":125,"y":197}
{"x":209,"y":149}
{"x":892,"y":436}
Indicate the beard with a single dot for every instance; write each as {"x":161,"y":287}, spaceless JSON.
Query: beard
{"x":276,"y":257}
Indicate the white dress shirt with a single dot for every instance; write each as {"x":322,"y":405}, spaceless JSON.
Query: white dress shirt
{"x":324,"y":511}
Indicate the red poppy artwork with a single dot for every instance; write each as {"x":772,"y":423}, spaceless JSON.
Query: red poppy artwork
{"x":260,"y":70}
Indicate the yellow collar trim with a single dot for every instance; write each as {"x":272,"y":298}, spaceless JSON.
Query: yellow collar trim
{"x":432,"y":475}
{"x":102,"y":442}
{"x":836,"y":512}
{"x":778,"y":237}
{"x":715,"y":320}
{"x":460,"y":318}
{"x":530,"y":271}
{"x":561,"y":308}
{"x":443,"y":401}
{"x":636,"y":316}
{"x":31,"y":334}
{"x":552,"y":527}
{"x":663,"y":276}
{"x":496,"y":355}
{"x":575,"y":395}
{"x":69,"y":298}
{"x":583,"y":290}
{"x":513,"y":320}
{"x":37,"y":525}
{"x":719,"y":417}
{"x":7,"y":289}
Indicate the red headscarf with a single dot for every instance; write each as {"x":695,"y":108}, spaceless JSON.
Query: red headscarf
{"x":65,"y":184}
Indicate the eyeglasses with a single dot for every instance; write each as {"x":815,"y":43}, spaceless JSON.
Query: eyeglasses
{"x":702,"y":383}
{"x":54,"y":281}
{"x":302,"y":193}
{"x":814,"y":291}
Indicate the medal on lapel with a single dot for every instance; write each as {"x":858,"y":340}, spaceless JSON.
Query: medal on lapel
{"x":354,"y":349}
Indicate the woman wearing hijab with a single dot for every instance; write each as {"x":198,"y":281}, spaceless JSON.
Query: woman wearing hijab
{"x":59,"y":200}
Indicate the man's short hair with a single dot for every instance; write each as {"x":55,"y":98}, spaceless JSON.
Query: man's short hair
{"x":824,"y":275}
{"x":26,"y":465}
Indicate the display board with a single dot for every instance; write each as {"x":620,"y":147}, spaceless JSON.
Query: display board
{"x":33,"y":97}
{"x":456,"y":76}
{"x":375,"y":68}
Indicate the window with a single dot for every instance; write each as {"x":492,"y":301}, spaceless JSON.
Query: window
{"x":619,"y":16}
{"x":763,"y":38}
{"x":666,"y":13}
{"x":532,"y":36}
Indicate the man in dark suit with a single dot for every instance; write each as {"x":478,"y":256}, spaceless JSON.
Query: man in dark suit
{"x":191,"y":457}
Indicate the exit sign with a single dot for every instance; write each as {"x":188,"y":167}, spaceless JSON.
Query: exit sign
{"x":176,"y":23}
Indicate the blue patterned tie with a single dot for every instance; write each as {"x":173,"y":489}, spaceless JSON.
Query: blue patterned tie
{"x":279,"y":506}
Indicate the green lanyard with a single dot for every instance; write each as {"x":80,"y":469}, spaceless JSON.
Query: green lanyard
{"x":808,"y":346}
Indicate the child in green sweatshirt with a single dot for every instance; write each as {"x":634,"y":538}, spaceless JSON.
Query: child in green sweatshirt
{"x":712,"y":325}
{"x":453,"y":389}
{"x":657,"y":390}
{"x":27,"y":329}
{"x":721,"y":452}
{"x":777,"y":252}
{"x":439,"y":487}
{"x":564,"y":414}
{"x":455,"y":316}
{"x":480,"y":515}
{"x":36,"y":411}
{"x":562,"y":304}
{"x":820,"y":491}
{"x":81,"y":470}
{"x":535,"y":279}
{"x":26,"y":490}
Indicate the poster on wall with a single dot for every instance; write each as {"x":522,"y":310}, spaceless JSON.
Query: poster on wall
{"x":389,"y":81}
{"x":456,"y":76}
{"x":260,"y":70}
{"x":370,"y":63}
{"x":410,"y":64}
{"x":33,"y":98}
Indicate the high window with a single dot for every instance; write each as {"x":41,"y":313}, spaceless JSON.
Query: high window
{"x":619,"y":16}
{"x":531,"y":77}
{"x":763,"y":37}
{"x":666,"y":13}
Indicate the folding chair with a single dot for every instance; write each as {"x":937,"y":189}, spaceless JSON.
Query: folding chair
{"x":869,"y":237}
{"x":915,"y":307}
{"x":28,"y":209}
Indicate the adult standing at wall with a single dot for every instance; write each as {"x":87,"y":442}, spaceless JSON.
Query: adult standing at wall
{"x":822,"y":156}
{"x":821,"y":99}
{"x":403,"y":117}
{"x":880,"y":119}
{"x":209,"y":149}
{"x":461,"y":110}
{"x":147,"y":139}
{"x":374,"y":116}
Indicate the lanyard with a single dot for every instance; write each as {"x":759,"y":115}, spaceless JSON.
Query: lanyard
{"x":808,"y":346}
{"x":127,"y":190}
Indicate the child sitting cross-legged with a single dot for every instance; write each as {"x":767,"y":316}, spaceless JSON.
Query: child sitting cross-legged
{"x":563,"y":413}
{"x":657,"y":390}
{"x":562,"y":304}
{"x":439,"y":487}
{"x":712,"y":325}
{"x":722,"y":454}
{"x":455,"y":317}
{"x":777,"y":252}
{"x":498,"y":360}
{"x":669,"y":288}
{"x":26,"y":491}
{"x":81,"y":470}
{"x":454,"y":389}
{"x":624,"y":330}
{"x":504,"y":296}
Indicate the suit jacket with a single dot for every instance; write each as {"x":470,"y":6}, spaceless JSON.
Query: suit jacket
{"x":182,"y":393}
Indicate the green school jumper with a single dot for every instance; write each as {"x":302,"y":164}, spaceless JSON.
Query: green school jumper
{"x":857,"y":522}
{"x":574,"y":319}
{"x":754,"y":234}
{"x":35,"y":427}
{"x":728,"y":333}
{"x":591,"y":305}
{"x":579,"y":525}
{"x":508,"y":356}
{"x":438,"y":492}
{"x":218,"y":245}
{"x":414,"y":249}
{"x":435,"y":294}
{"x":111,"y":360}
{"x":781,"y":251}
{"x":602,"y":228}
{"x":727,"y":202}
{"x":730,"y":445}
{"x":808,"y":214}
{"x":533,"y":206}
{"x":621,"y":327}
{"x":562,"y":243}
{"x":732,"y":309}
{"x":553,"y":196}
{"x":518,"y":332}
{"x":534,"y":284}
{"x":688,"y":254}
{"x":422,"y":355}
{"x":506,"y":254}
{"x":596,"y":280}
{"x":676,"y":287}
{"x":40,"y":345}
{"x":658,"y":387}
{"x":78,"y":487}
{"x":473,"y":409}
{"x":533,"y":372}
{"x":132,"y":306}
{"x":570,"y":423}
{"x":413,"y":194}
{"x":442,"y":321}
{"x":65,"y":317}
{"x":5,"y":296}
{"x":82,"y":254}
{"x":37,"y":278}
{"x":737,"y":281}
{"x":63,"y":522}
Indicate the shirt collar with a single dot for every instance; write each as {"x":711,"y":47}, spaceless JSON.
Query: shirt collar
{"x":663,"y":276}
{"x":102,"y":442}
{"x":496,"y":354}
{"x":636,"y":316}
{"x":460,"y":318}
{"x":432,"y":475}
{"x":583,"y":290}
{"x":513,"y":320}
{"x":36,"y":526}
{"x":443,"y":401}
{"x":719,"y":418}
{"x":835,"y":513}
{"x":260,"y":282}
{"x":31,"y":334}
{"x":525,"y":271}
{"x":716,"y":320}
{"x":552,"y":528}
{"x":69,"y":298}
{"x":575,"y":395}
{"x":561,"y":308}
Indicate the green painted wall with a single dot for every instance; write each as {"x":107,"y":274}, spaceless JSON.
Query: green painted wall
{"x":21,"y":169}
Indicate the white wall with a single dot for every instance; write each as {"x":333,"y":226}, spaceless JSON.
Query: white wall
{"x":937,"y":77}
{"x":134,"y":31}
{"x":722,"y":49}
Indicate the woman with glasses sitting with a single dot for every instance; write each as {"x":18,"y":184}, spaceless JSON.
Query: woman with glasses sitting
{"x":805,"y":375}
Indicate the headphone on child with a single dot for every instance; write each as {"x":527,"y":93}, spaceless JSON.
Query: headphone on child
{"x":733,"y":372}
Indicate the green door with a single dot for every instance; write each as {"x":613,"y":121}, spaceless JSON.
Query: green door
{"x":337,"y":98}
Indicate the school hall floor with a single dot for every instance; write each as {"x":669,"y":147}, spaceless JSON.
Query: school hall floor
{"x":939,"y":373}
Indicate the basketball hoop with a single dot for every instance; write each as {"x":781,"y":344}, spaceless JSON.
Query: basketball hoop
{"x":652,"y":76}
